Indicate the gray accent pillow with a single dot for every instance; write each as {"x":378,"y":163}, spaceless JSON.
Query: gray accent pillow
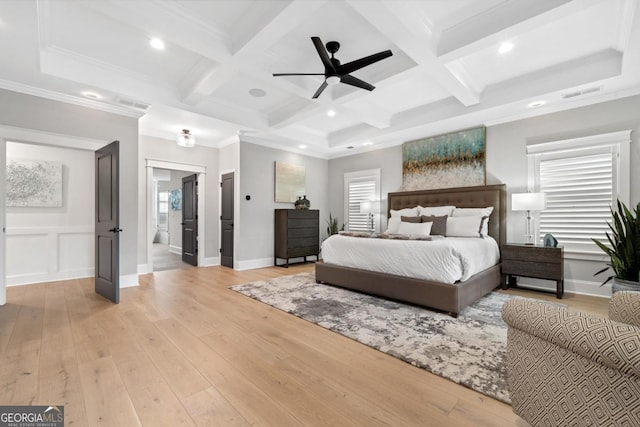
{"x":413,"y":219}
{"x":439,"y":227}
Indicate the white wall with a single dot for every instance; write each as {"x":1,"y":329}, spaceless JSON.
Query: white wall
{"x":47,"y":244}
{"x":507,"y":163}
{"x":257,"y":167}
{"x":25,"y":112}
{"x":167,"y":150}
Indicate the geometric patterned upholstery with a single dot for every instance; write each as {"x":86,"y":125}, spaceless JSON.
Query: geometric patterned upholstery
{"x":566,"y":368}
{"x":624,"y":307}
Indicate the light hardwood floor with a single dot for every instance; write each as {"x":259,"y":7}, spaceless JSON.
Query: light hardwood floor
{"x":182,"y":349}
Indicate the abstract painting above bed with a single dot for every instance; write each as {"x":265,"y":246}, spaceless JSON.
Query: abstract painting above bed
{"x":445,"y":161}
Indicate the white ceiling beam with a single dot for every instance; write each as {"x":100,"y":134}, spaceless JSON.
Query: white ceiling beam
{"x":592,"y":69}
{"x":197,"y":35}
{"x":495,"y":25}
{"x":399,"y":23}
{"x":262,"y":27}
{"x":258,"y":31}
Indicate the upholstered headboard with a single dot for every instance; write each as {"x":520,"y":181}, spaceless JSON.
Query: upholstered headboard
{"x":462,"y":197}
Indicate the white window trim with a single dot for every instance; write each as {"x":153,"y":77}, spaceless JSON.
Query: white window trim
{"x":622,"y":169}
{"x":345,"y":202}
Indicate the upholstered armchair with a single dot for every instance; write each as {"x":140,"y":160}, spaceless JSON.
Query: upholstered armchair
{"x":567,"y":368}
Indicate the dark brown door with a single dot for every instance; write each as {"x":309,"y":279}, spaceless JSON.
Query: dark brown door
{"x":226,"y":208}
{"x":107,"y":231}
{"x":190,"y":219}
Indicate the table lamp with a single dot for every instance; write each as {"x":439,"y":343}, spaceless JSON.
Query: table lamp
{"x":528,"y":202}
{"x":366,"y":207}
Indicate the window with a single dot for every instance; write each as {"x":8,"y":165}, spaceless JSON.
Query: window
{"x":359,"y":187}
{"x":582,"y":178}
{"x":163,"y":209}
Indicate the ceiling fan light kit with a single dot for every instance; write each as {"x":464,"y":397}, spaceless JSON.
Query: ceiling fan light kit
{"x":334,"y":72}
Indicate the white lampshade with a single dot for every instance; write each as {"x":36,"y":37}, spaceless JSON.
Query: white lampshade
{"x":185,"y":139}
{"x":366,"y":206}
{"x":528,"y":201}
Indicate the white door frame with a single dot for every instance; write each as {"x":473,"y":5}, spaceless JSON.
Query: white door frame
{"x":3,"y":179}
{"x":30,"y":136}
{"x":185,"y":167}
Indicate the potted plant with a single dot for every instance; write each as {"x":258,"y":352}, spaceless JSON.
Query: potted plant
{"x":623,"y":249}
{"x":332,"y":225}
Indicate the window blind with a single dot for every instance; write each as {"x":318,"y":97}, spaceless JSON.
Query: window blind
{"x":360,"y":189}
{"x":579,"y":191}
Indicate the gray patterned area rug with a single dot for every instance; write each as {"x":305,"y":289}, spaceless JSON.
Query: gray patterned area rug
{"x":469,"y":350}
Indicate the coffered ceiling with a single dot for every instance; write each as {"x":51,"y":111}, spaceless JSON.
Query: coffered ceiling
{"x":214,"y":75}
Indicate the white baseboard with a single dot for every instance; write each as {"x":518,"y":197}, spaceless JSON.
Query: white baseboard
{"x":581,"y":287}
{"x":128,"y":280}
{"x":144,"y":269}
{"x":30,"y":278}
{"x":253,"y":263}
{"x":175,"y":250}
{"x":211,"y":261}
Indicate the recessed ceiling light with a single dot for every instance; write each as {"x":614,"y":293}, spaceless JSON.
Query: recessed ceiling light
{"x":331,"y":113}
{"x":257,"y":92}
{"x":537,"y":104}
{"x":505,"y":47}
{"x":156,"y":43}
{"x":302,"y":146}
{"x":349,"y":147}
{"x":367,"y":143}
{"x":91,"y":95}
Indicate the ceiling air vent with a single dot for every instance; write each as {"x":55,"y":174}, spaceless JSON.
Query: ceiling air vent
{"x":132,"y":104}
{"x":582,"y":92}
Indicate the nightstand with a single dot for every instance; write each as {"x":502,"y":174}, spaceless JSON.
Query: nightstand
{"x":540,"y":262}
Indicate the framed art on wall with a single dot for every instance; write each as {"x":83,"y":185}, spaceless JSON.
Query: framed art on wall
{"x":34,"y":183}
{"x":290,"y":181}
{"x":445,"y":161}
{"x":176,"y":199}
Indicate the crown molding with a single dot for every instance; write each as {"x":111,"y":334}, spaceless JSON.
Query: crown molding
{"x":32,"y":136}
{"x":69,"y":99}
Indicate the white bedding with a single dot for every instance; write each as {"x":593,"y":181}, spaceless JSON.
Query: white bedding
{"x":446,"y":259}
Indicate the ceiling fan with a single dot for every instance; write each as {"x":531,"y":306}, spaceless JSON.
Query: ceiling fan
{"x":334,"y":72}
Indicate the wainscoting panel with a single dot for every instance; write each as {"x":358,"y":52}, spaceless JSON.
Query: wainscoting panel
{"x":46,"y":254}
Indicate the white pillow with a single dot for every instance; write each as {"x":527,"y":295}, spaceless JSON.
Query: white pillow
{"x":436,"y":210}
{"x":393,"y":224}
{"x":466,"y":226}
{"x":421,"y":228}
{"x":404,"y":212}
{"x":472,"y":211}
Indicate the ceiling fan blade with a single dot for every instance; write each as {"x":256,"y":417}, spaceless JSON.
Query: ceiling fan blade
{"x":352,"y":66}
{"x":354,"y":81}
{"x":297,"y":74}
{"x":322,"y":87}
{"x":324,"y":56}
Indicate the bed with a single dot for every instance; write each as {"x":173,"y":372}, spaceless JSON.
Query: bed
{"x":447,"y":297}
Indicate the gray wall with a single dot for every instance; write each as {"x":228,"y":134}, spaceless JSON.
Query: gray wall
{"x":256,"y":227}
{"x":507,"y":163}
{"x":31,"y":112}
{"x":167,"y":150}
{"x":388,"y":160}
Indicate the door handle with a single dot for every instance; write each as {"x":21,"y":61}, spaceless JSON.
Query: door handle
{"x":116,"y":230}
